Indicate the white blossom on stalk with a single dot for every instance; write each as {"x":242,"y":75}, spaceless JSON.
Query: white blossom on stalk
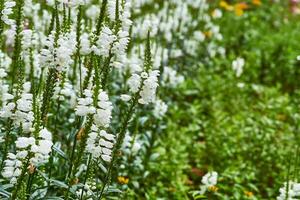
{"x":66,"y":48}
{"x":23,"y":115}
{"x":13,"y":166}
{"x":289,"y":191}
{"x":125,"y":97}
{"x":85,"y":105}
{"x":85,"y":45}
{"x":104,"y":42}
{"x":60,"y":57}
{"x":100,"y":143}
{"x":103,"y":113}
{"x":92,"y":12}
{"x":10,"y":34}
{"x":237,"y":66}
{"x":65,"y":92}
{"x":112,"y":9}
{"x":171,"y":78}
{"x":134,"y":83}
{"x":7,"y":106}
{"x":7,"y":10}
{"x":120,"y":46}
{"x":125,"y":17}
{"x":148,"y":92}
{"x":160,"y":108}
{"x":42,"y":149}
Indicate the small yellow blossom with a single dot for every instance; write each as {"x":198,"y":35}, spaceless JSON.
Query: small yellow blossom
{"x":226,"y":6}
{"x":213,"y":188}
{"x":248,"y":193}
{"x":208,"y":34}
{"x":123,"y":180}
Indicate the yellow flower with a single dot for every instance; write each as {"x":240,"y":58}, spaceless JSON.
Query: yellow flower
{"x":248,"y":193}
{"x":226,"y":6}
{"x":213,"y":188}
{"x":239,"y":8}
{"x":256,"y":2}
{"x":208,"y":34}
{"x":123,"y":180}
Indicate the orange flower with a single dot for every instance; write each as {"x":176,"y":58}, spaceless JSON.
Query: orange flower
{"x":242,"y":6}
{"x":239,"y":8}
{"x":256,"y":2}
{"x":123,"y":180}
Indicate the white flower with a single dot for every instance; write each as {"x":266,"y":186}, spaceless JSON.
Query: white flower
{"x":217,"y":13}
{"x":92,"y":12}
{"x":289,"y":191}
{"x":100,"y":143}
{"x":112,"y":10}
{"x":85,"y":105}
{"x":171,"y":78}
{"x":23,"y":115}
{"x":42,"y":149}
{"x":134,"y":83}
{"x":7,"y":10}
{"x":148,"y":91}
{"x":104,"y":42}
{"x":237,"y":66}
{"x":85,"y":44}
{"x":160,"y":108}
{"x":45,"y":134}
{"x":120,"y":46}
{"x":125,"y":97}
{"x":210,"y":179}
{"x":103,"y":113}
{"x":24,"y":142}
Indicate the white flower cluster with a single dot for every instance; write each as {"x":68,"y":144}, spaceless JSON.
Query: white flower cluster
{"x":24,"y":116}
{"x":112,"y":10}
{"x":59,"y":57}
{"x":100,"y":143}
{"x":237,"y":66}
{"x":120,"y":45}
{"x":148,"y":92}
{"x":42,"y":149}
{"x":160,"y":109}
{"x":21,"y":112}
{"x":26,"y":145}
{"x":65,"y":91}
{"x":66,"y":48}
{"x":13,"y":166}
{"x":8,"y":5}
{"x":289,"y":191}
{"x":125,"y":16}
{"x":85,"y":44}
{"x":134,"y":83}
{"x":103,"y":113}
{"x":149,"y":83}
{"x":104,"y":42}
{"x":85,"y":105}
{"x":7,"y":106}
{"x":131,"y":145}
{"x":171,"y":78}
{"x":208,"y":180}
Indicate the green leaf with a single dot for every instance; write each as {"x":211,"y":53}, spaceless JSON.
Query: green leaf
{"x":60,"y":152}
